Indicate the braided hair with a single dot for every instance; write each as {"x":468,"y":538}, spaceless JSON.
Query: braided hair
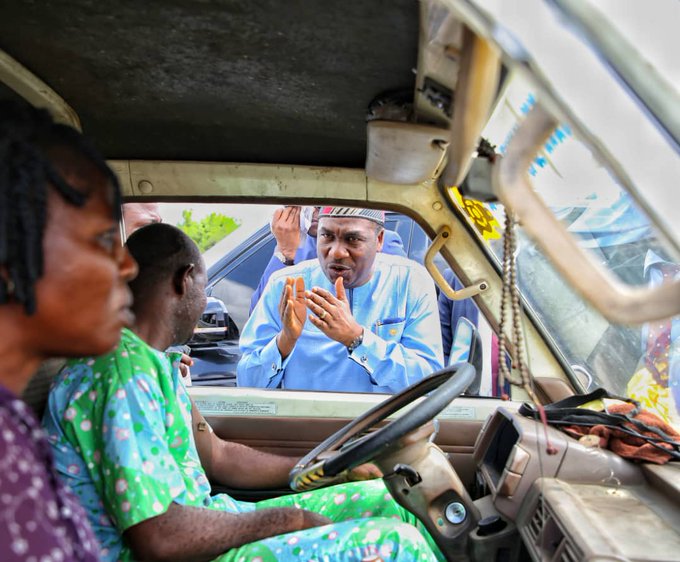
{"x":26,"y":135}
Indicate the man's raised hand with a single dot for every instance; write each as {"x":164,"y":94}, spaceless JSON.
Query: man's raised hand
{"x":292,"y":309}
{"x":332,"y":313}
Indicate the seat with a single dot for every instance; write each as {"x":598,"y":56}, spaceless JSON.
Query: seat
{"x":35,"y":394}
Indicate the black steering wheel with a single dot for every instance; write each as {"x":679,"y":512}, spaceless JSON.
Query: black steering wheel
{"x":351,"y":446}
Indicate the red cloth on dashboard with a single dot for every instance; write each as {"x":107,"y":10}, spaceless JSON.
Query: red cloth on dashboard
{"x":629,"y":446}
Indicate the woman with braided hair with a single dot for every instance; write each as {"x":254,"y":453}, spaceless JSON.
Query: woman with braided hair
{"x":63,"y":292}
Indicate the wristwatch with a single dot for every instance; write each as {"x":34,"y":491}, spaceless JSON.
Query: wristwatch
{"x":283,"y":259}
{"x":356,"y":342}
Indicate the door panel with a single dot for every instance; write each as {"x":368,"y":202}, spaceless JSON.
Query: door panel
{"x":274,"y":435}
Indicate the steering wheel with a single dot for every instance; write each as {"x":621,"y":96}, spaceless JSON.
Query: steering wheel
{"x":351,"y":446}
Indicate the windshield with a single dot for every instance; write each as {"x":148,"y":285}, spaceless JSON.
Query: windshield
{"x":627,"y":360}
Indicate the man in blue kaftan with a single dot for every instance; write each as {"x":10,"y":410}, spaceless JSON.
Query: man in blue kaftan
{"x":374,"y":322}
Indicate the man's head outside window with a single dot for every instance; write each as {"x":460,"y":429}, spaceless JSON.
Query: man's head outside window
{"x":347,"y":243}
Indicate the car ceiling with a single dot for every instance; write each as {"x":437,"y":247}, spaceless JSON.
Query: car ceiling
{"x":241,"y":81}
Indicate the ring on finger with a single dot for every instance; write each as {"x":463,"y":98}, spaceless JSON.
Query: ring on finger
{"x":323,"y":314}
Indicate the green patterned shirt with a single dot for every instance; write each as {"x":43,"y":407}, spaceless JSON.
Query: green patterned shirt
{"x":120,"y":427}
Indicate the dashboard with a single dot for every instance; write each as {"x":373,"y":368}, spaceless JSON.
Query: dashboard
{"x":569,"y":500}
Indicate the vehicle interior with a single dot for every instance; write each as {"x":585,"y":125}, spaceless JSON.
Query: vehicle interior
{"x":456,"y":113}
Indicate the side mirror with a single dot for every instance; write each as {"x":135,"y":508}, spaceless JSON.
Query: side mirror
{"x":214,"y":325}
{"x":214,"y":347}
{"x":467,"y":346}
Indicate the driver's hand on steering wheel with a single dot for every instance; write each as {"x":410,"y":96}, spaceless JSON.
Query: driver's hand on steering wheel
{"x":367,"y":471}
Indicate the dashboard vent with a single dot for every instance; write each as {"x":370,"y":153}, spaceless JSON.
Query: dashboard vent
{"x":536,"y":522}
{"x":570,"y":553}
{"x":545,"y":538}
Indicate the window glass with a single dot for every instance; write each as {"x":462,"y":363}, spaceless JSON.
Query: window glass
{"x":236,"y":261}
{"x":639,"y":361}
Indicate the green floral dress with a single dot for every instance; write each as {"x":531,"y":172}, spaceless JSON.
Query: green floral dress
{"x":120,"y":428}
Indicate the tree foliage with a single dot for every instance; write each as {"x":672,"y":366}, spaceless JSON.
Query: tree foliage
{"x":208,"y":231}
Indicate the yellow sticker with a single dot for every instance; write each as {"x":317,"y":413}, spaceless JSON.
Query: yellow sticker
{"x":479,"y":215}
{"x":393,"y":332}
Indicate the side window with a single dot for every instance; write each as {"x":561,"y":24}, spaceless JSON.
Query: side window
{"x":237,"y":245}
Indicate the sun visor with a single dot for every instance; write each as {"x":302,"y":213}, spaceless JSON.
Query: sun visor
{"x":404,"y":153}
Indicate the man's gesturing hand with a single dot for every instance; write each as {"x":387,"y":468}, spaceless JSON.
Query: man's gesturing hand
{"x":332,"y":314}
{"x":293,"y":310}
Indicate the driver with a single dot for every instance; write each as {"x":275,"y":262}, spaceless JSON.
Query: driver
{"x":374,"y":322}
{"x":121,"y":430}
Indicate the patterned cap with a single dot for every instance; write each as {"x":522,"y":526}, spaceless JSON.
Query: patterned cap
{"x":374,"y":215}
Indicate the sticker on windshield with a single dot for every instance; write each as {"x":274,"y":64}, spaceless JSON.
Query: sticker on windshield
{"x":242,"y":408}
{"x":480,"y":216}
{"x":459,"y":413}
